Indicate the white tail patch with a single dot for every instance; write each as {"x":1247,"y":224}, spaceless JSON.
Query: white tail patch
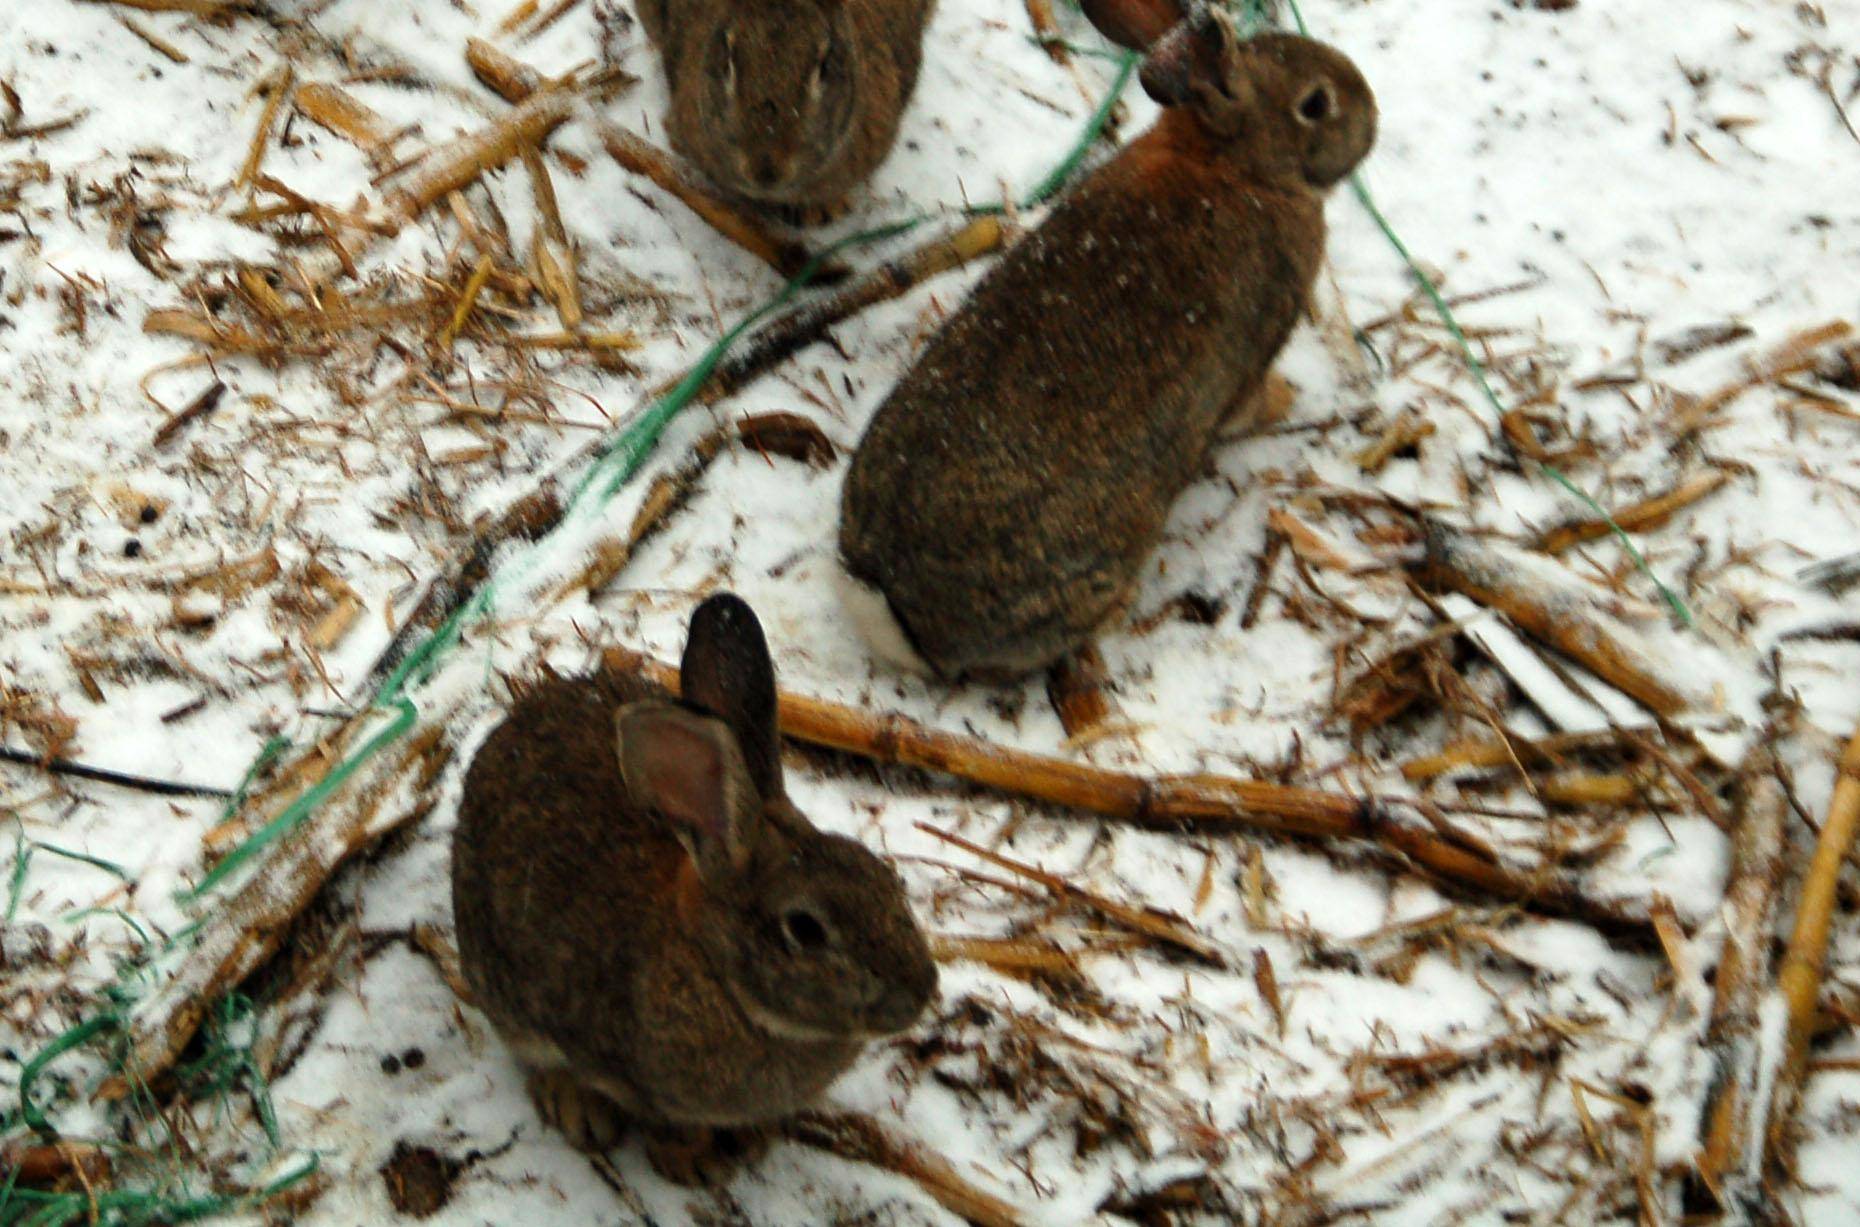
{"x":871,"y":613}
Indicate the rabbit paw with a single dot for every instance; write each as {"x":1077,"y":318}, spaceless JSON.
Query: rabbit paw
{"x":588,"y":1119}
{"x":700,"y":1156}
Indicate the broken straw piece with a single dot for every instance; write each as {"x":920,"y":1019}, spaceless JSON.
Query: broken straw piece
{"x":1568,"y":709}
{"x":1678,"y":676}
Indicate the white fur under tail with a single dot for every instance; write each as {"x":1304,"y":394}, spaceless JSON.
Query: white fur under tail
{"x":871,"y":613}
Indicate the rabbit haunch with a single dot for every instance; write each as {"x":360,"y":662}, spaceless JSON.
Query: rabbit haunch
{"x":658,"y":933}
{"x":1005,"y":496}
{"x":788,"y":103}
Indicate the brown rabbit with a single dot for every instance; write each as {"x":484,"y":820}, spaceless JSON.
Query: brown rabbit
{"x":788,"y":103}
{"x":658,"y":934}
{"x":1009,"y":488}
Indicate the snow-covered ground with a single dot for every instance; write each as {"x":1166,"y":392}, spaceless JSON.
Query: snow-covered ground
{"x":1623,"y":174}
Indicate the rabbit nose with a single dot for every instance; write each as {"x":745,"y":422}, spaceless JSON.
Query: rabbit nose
{"x":903,"y":1003}
{"x":765,"y":170}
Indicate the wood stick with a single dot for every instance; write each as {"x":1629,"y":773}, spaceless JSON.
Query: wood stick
{"x":1805,"y":961}
{"x":1013,"y":955}
{"x":634,"y":152}
{"x":787,"y":335}
{"x":860,"y":1139}
{"x":1161,"y":926}
{"x":1799,"y":352}
{"x":343,"y":113}
{"x":568,"y":340}
{"x":1478,"y":754}
{"x":1556,"y":609}
{"x":196,"y":8}
{"x":261,"y":140}
{"x":47,"y":1164}
{"x":1726,"y":1153}
{"x":551,"y":250}
{"x":1405,"y":431}
{"x":1046,"y":30}
{"x":160,"y":44}
{"x":542,"y":509}
{"x":1646,"y":514}
{"x":200,"y":406}
{"x":505,"y":75}
{"x":468,"y":298}
{"x":461,"y":163}
{"x":1078,"y":688}
{"x":517,"y":16}
{"x":1208,"y":803}
{"x":244,"y":930}
{"x":515,"y":81}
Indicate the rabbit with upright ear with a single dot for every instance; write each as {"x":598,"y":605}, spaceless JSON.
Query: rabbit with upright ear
{"x":1005,"y":495}
{"x":787,"y":103}
{"x":660,"y":936}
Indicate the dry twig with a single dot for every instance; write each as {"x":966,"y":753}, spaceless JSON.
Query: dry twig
{"x":861,"y":1139}
{"x":634,"y":152}
{"x":1649,"y":513}
{"x":1209,"y":803}
{"x":1151,"y":922}
{"x":244,"y":930}
{"x":1556,"y":609}
{"x":539,"y":511}
{"x":1728,"y":1156}
{"x":1805,"y":961}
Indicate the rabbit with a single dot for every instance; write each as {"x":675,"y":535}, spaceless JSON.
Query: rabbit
{"x":659,"y":935}
{"x":1002,"y":501}
{"x":787,"y":103}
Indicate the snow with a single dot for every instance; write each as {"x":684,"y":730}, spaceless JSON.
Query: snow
{"x":1643,"y":168}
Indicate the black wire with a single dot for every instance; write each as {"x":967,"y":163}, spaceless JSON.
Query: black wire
{"x":103,"y":775}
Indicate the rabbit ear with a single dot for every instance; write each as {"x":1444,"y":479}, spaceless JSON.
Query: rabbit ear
{"x":726,"y":671}
{"x":1135,"y":24}
{"x":1193,"y":63}
{"x":687,"y":768}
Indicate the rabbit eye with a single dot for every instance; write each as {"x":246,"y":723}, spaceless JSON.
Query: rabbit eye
{"x":819,"y":76}
{"x":1316,"y":106}
{"x":802,"y":930}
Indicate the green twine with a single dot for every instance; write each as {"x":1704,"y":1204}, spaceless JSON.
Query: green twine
{"x":1478,"y":370}
{"x":82,"y":1032}
{"x":1473,"y":364}
{"x":1060,"y":174}
{"x":614,"y":467}
{"x":125,"y":1208}
{"x":84,"y":858}
{"x":16,"y":885}
{"x":299,"y":809}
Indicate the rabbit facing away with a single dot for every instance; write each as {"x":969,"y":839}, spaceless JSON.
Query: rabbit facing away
{"x":787,"y":103}
{"x":659,"y":935}
{"x":1001,"y":503}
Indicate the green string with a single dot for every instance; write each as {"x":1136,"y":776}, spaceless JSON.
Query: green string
{"x":612,"y":469}
{"x":299,"y":809}
{"x":1061,"y":174}
{"x":123,"y":1207}
{"x":1478,"y":370}
{"x":1473,"y":364}
{"x":30,"y":1111}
